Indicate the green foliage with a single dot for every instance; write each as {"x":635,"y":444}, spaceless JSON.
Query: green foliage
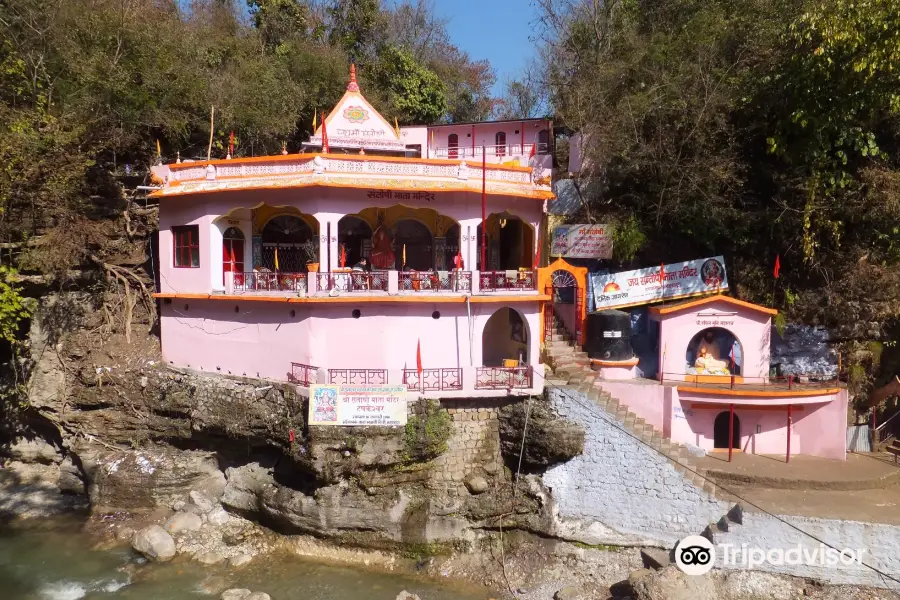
{"x":628,"y":239}
{"x":745,"y":129}
{"x":427,"y":433}
{"x":13,"y":307}
{"x":415,"y":93}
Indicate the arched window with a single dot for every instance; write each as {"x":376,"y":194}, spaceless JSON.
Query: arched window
{"x":452,"y":146}
{"x":233,"y":251}
{"x":283,"y":241}
{"x":500,"y":143}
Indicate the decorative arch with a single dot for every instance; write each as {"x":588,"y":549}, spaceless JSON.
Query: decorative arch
{"x":499,"y":337}
{"x":545,"y":282}
{"x":497,"y":224}
{"x":720,"y":338}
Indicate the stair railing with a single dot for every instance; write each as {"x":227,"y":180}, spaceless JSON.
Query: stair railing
{"x":889,"y":429}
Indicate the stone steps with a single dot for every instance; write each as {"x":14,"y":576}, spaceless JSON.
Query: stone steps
{"x":573,"y":368}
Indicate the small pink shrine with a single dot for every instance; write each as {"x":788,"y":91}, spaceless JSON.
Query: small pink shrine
{"x":714,"y":389}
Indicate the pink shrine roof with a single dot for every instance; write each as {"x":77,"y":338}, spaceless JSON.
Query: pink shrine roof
{"x":354,"y":123}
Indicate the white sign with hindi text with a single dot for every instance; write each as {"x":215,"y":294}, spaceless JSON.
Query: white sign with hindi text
{"x":582,"y":241}
{"x":357,"y":405}
{"x":643,"y":286}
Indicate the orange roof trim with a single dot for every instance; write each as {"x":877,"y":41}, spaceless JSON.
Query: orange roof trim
{"x":674,"y":308}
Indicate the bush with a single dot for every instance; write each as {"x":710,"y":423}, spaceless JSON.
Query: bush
{"x":427,"y":433}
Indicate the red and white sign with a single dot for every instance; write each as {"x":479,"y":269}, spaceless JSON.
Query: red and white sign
{"x":582,"y":241}
{"x":644,"y":286}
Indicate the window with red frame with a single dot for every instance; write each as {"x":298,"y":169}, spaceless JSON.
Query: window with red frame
{"x":187,"y":246}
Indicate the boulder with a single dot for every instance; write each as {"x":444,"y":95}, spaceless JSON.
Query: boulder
{"x":240,"y":560}
{"x":155,"y":543}
{"x":258,"y":596}
{"x":477,"y":484}
{"x":183,"y":521}
{"x":33,"y":451}
{"x":209,"y":558}
{"x":756,"y":585}
{"x":404,"y":595}
{"x":218,"y":517}
{"x":569,"y":593}
{"x":235,"y":594}
{"x":202,"y":502}
{"x":124,"y":534}
{"x":549,"y":440}
{"x":671,"y":584}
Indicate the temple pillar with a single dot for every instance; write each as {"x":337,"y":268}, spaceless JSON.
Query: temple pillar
{"x":468,"y":242}
{"x":329,"y":251}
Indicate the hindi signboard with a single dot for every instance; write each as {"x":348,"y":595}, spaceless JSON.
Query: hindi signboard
{"x":357,"y":405}
{"x":582,"y":241}
{"x":643,"y":286}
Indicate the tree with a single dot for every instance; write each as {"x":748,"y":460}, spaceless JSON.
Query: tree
{"x":415,"y":93}
{"x":279,"y":20}
{"x":355,"y":27}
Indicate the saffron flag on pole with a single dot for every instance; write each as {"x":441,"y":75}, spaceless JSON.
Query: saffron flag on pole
{"x":315,"y":124}
{"x":276,"y":259}
{"x":777,"y":265}
{"x":662,"y":273}
{"x":533,"y":151}
{"x":419,"y":358}
{"x":324,"y":135}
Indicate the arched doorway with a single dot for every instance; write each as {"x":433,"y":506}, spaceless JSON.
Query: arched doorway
{"x":452,"y":146}
{"x":451,"y":247}
{"x":546,"y":283}
{"x":510,"y":243}
{"x":714,"y":351}
{"x":284,"y":237}
{"x":412,"y":238}
{"x":233,"y":253}
{"x":720,"y":431}
{"x":355,"y":235}
{"x":566,"y":297}
{"x":500,"y":143}
{"x":505,"y":337}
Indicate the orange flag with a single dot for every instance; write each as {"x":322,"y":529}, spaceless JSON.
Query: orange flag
{"x":662,"y":273}
{"x":777,"y":265}
{"x":419,"y":357}
{"x":324,"y":135}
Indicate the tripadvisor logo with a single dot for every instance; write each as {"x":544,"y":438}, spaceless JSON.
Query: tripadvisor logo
{"x":696,"y":555}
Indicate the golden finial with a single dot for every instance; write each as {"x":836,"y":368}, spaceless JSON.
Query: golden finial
{"x":352,"y":86}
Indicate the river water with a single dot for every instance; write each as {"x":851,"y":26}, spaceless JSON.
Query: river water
{"x":60,"y":564}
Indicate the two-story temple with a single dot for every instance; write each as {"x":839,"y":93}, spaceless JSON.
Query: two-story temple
{"x":361,"y":257}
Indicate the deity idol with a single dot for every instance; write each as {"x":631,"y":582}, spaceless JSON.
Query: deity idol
{"x":382,"y":255}
{"x":706,"y":362}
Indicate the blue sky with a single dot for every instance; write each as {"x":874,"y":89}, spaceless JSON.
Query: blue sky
{"x":498,"y":30}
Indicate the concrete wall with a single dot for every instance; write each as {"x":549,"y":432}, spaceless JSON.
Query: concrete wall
{"x":623,"y":483}
{"x":262,"y":339}
{"x":621,"y":491}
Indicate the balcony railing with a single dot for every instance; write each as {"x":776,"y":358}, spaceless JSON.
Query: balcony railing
{"x":491,"y":152}
{"x":437,"y":281}
{"x":497,"y":378}
{"x":433,"y":380}
{"x":353,"y":281}
{"x":358,"y":376}
{"x":302,"y":374}
{"x":498,"y":281}
{"x":269,"y":282}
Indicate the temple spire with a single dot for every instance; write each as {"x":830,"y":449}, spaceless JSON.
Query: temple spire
{"x":352,"y":86}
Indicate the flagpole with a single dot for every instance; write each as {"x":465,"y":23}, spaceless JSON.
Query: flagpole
{"x":483,"y":210}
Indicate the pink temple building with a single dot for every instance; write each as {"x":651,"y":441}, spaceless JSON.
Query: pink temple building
{"x":257,"y":257}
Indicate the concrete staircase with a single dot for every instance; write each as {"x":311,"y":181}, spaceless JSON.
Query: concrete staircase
{"x":572,"y":370}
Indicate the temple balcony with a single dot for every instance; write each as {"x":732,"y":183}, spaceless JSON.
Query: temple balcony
{"x":381,"y":283}
{"x":433,"y":382}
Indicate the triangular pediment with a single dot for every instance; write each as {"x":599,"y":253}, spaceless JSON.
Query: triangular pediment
{"x":354,"y":123}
